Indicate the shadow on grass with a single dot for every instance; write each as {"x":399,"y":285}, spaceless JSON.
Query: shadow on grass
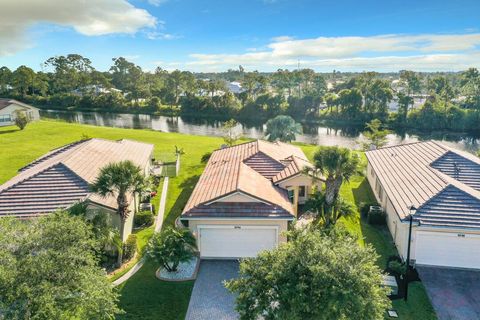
{"x":376,"y":235}
{"x":9,"y":131}
{"x":187,"y":187}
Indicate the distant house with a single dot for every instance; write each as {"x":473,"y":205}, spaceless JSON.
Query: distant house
{"x":246,"y":197}
{"x":62,"y":177}
{"x":9,"y":107}
{"x":235,"y":87}
{"x":443,"y":186}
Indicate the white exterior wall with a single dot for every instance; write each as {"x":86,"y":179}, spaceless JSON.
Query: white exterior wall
{"x":282,"y":225}
{"x":33,"y":113}
{"x":397,"y":228}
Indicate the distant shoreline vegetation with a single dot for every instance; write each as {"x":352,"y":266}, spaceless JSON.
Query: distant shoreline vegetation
{"x":403,"y":100}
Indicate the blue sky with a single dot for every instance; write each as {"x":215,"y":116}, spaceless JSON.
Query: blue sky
{"x":258,"y":34}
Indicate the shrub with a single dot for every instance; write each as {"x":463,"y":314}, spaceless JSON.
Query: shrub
{"x":21,"y":119}
{"x":130,"y":247}
{"x":172,"y":247}
{"x":143,"y":218}
{"x":396,"y":267}
{"x":376,"y":217}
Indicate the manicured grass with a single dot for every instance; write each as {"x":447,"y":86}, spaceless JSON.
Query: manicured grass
{"x":144,"y":296}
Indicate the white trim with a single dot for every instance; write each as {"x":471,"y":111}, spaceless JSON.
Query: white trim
{"x":240,"y":218}
{"x":237,"y":193}
{"x":291,"y":177}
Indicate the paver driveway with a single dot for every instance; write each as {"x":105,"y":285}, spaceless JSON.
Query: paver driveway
{"x":210,"y":299}
{"x":455,"y":293}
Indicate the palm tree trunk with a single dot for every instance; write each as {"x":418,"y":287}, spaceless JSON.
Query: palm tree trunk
{"x":120,"y":252}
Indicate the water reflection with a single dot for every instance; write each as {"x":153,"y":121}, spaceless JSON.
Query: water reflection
{"x":348,"y":136}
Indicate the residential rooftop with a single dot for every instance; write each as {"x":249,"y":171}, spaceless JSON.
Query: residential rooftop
{"x":62,"y":177}
{"x":434,"y":178}
{"x":252,"y":169}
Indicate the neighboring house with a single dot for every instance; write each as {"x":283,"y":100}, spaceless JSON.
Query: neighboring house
{"x":62,"y":177}
{"x":443,"y":185}
{"x":235,"y":87}
{"x":245,"y":198}
{"x":9,"y":107}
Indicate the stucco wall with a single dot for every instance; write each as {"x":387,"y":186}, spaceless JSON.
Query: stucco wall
{"x":282,"y":225}
{"x":10,"y":110}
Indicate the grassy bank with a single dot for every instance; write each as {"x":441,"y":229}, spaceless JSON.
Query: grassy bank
{"x":144,"y":296}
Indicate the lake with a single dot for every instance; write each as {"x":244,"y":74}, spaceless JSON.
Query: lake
{"x":312,"y":133}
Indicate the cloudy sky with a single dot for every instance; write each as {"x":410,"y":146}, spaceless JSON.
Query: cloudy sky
{"x":200,"y":35}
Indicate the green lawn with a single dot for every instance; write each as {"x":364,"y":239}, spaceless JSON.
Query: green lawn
{"x":144,"y":296}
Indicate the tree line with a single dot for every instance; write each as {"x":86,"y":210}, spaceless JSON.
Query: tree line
{"x":450,"y":100}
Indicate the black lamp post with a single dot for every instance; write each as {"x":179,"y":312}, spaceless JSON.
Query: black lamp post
{"x":412,"y":212}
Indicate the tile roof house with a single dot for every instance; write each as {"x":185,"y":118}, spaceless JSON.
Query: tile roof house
{"x":245,"y":198}
{"x":443,"y":185}
{"x":9,"y":107}
{"x":62,"y":177}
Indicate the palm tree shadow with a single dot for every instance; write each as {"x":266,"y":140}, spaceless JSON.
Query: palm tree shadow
{"x":187,"y":187}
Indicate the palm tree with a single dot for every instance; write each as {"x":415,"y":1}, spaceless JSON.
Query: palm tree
{"x":282,"y":128}
{"x":119,"y":179}
{"x":336,"y":165}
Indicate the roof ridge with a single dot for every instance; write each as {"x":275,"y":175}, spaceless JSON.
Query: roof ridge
{"x":407,"y":144}
{"x":236,"y":145}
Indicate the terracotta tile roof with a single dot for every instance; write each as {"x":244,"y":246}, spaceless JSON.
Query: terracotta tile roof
{"x":416,"y":173}
{"x":73,"y":167}
{"x":246,"y":168}
{"x":5,"y":102}
{"x":295,"y":166}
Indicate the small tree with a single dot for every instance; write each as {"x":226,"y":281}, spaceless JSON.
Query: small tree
{"x":283,"y":128}
{"x":374,"y":135}
{"x":119,"y":179}
{"x":230,"y":135}
{"x":340,"y":208}
{"x":21,"y":119}
{"x":316,"y":275}
{"x":172,"y":247}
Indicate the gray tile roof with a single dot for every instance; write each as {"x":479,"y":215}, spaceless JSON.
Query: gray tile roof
{"x":451,"y":207}
{"x":440,"y":180}
{"x":61,"y":177}
{"x":54,"y":188}
{"x":459,"y":168}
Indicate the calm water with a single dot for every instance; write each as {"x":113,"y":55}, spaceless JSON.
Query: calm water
{"x":314,"y":134}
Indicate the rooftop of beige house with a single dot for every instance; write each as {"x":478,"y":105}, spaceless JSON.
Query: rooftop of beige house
{"x":442,"y":183}
{"x":5,"y":102}
{"x":62,"y":177}
{"x":252,"y":169}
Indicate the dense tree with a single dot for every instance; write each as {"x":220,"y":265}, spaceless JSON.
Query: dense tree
{"x":23,"y":80}
{"x":350,"y":101}
{"x":118,"y":180}
{"x":71,"y":72}
{"x":49,"y":270}
{"x":315,"y":275}
{"x":283,"y":128}
{"x":411,"y":83}
{"x":376,"y":136}
{"x":470,"y":86}
{"x":5,"y":79}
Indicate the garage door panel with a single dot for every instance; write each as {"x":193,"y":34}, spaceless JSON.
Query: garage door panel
{"x":235,"y":242}
{"x":448,"y":249}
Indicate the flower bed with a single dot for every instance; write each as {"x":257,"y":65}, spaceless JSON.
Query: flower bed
{"x":186,"y":271}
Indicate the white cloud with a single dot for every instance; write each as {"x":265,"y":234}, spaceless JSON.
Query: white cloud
{"x":91,"y":18}
{"x":429,"y":52}
{"x":157,"y":3}
{"x":154,"y":35}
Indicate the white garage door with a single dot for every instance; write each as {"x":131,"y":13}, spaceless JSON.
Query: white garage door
{"x":235,"y":241}
{"x":448,"y":249}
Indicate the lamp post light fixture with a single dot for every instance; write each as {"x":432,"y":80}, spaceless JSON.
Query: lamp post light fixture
{"x":412,"y":209}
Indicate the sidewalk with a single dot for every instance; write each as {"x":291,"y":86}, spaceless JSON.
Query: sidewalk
{"x":158,"y":226}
